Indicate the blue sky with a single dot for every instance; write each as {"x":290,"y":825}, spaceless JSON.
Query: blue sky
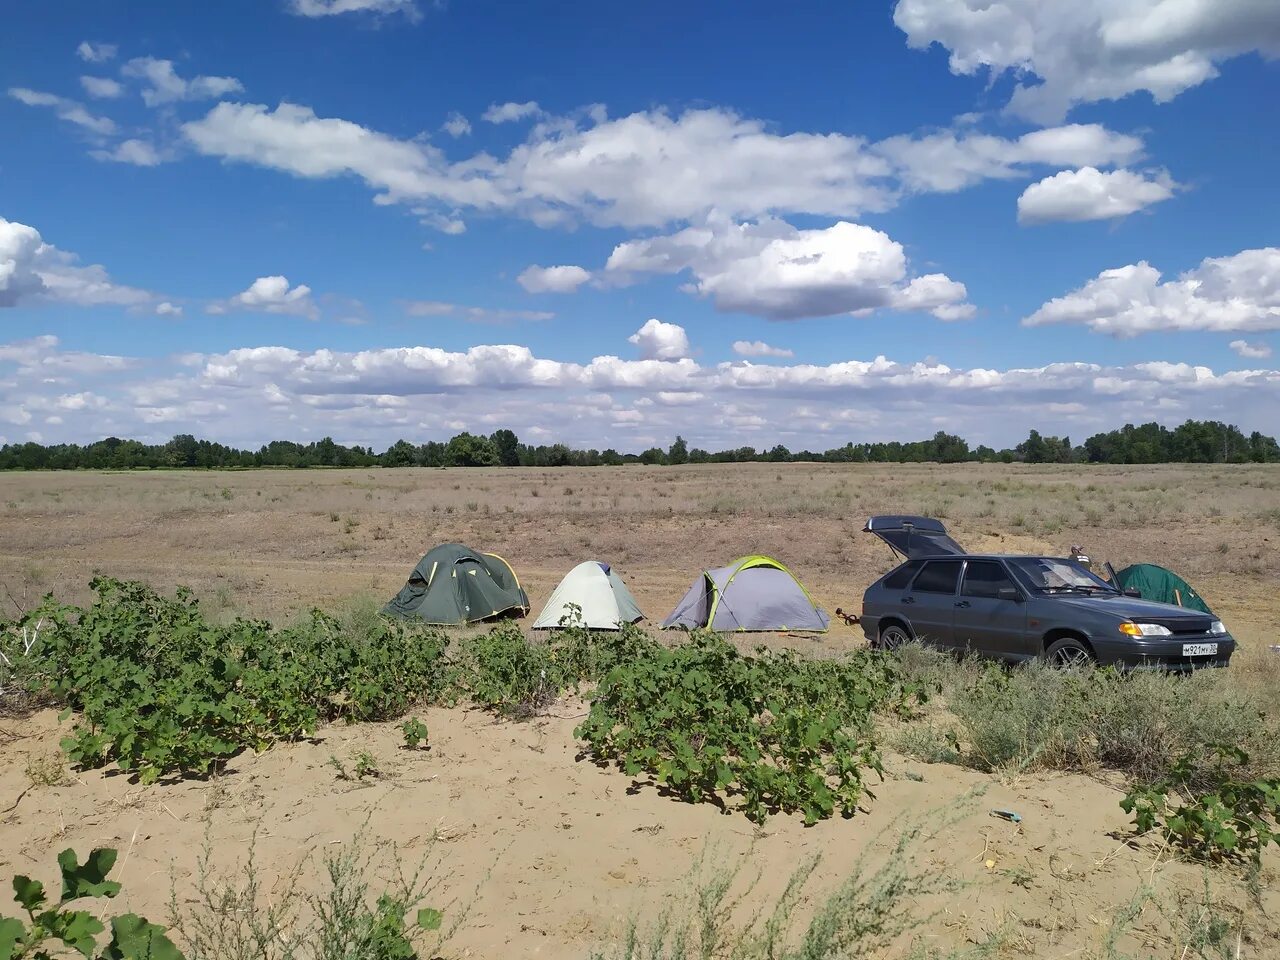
{"x":808,"y":223}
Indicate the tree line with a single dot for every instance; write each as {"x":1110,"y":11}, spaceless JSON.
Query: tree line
{"x":1195,"y":441}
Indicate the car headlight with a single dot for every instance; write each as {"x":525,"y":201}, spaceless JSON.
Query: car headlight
{"x":1145,"y":630}
{"x":1217,"y":627}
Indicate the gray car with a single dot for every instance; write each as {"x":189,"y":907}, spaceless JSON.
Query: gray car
{"x":1024,"y":607}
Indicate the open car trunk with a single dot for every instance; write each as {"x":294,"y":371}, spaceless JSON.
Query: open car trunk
{"x":913,"y":537}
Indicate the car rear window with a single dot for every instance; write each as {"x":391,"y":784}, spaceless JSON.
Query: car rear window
{"x":984,"y":578}
{"x":898,"y":579}
{"x":938,"y":576}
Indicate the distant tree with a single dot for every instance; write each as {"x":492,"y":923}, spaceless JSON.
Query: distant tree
{"x":507,"y":446}
{"x":402,"y":453}
{"x":678,"y":452}
{"x":653,"y":455}
{"x":468,"y":450}
{"x":778,"y":454}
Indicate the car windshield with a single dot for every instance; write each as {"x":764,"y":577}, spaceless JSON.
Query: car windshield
{"x":1053,"y":575}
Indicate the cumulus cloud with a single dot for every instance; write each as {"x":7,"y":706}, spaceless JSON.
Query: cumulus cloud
{"x":104,"y":88}
{"x":648,"y":169}
{"x":1240,"y":292}
{"x":1090,"y":50}
{"x":96,"y":52}
{"x":511,"y":112}
{"x":272,"y":295}
{"x":254,"y":394}
{"x":332,"y":8}
{"x":774,"y":270}
{"x":456,"y":125}
{"x":167,"y":309}
{"x":139,"y":153}
{"x":562,"y":279}
{"x":1251,"y":351}
{"x":758,"y":348}
{"x":69,"y":110}
{"x":661,"y":341}
{"x":162,"y":84}
{"x":32,"y":271}
{"x":1090,"y":194}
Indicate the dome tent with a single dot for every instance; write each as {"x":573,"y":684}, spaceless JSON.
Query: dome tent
{"x":604,"y":600}
{"x":454,"y":584}
{"x":755,"y":593}
{"x":1161,"y":585}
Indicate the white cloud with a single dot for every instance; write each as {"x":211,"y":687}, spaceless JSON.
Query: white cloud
{"x":562,"y":279}
{"x":949,"y":160}
{"x":775,"y":270}
{"x":254,"y":394}
{"x":104,"y":88}
{"x":649,"y":169}
{"x":511,"y":112}
{"x":96,"y":52}
{"x":1090,"y":194}
{"x":1251,"y":351}
{"x":1240,"y":292}
{"x":661,"y":341}
{"x":68,"y":110}
{"x":456,"y":125}
{"x":1090,"y":50}
{"x":140,"y":153}
{"x":163,"y":85}
{"x":32,"y":271}
{"x":274,"y":295}
{"x":167,"y":309}
{"x":758,"y":348}
{"x":330,"y":8}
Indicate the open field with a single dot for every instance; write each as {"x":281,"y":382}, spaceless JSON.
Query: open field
{"x":549,"y":854}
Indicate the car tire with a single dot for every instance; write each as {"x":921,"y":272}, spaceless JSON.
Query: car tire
{"x":1070,"y":652}
{"x":893,"y":636}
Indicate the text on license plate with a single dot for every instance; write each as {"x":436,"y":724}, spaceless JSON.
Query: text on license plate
{"x":1199,"y":649}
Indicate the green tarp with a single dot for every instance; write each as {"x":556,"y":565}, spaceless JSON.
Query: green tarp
{"x":1161,"y":585}
{"x":454,"y":584}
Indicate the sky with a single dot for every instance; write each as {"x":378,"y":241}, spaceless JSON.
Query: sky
{"x":607,"y":224}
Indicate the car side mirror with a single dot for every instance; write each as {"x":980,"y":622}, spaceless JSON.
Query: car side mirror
{"x":1133,"y":592}
{"x":1008,"y":593}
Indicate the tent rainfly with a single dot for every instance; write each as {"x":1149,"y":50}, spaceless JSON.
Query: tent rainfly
{"x":454,"y":584}
{"x":604,"y":600}
{"x":755,"y":593}
{"x":1161,"y":585}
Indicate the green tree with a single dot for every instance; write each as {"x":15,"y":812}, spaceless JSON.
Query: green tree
{"x":678,"y":453}
{"x":507,"y":446}
{"x":468,"y":450}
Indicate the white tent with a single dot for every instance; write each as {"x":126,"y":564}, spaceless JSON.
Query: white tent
{"x":604,"y":599}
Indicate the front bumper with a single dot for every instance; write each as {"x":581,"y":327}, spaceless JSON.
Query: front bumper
{"x":1163,"y":654}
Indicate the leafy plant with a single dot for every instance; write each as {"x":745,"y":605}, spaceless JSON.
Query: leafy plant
{"x":1224,"y":818}
{"x":366,"y":765}
{"x":773,"y":731}
{"x":132,"y":937}
{"x":415,"y":733}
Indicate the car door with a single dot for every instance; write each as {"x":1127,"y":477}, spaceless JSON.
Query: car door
{"x":990,"y":612}
{"x":930,"y":603}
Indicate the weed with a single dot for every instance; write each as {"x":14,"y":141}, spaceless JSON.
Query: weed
{"x":415,"y":734}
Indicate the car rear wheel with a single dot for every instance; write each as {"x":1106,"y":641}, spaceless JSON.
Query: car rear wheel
{"x":1069,"y":652}
{"x":893,"y":636}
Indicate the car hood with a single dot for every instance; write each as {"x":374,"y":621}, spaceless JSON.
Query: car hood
{"x":914,"y":537}
{"x":1177,"y":619}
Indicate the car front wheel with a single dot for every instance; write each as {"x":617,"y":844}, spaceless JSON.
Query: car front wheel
{"x":1069,"y":652}
{"x":893,"y":636}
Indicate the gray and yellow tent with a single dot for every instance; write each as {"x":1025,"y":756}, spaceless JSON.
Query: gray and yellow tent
{"x":755,"y":593}
{"x":454,"y":584}
{"x":1161,"y":585}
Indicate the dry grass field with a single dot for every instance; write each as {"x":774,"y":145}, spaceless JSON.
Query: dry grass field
{"x":550,"y":856}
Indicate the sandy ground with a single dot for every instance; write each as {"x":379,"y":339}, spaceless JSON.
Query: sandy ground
{"x":546,"y":854}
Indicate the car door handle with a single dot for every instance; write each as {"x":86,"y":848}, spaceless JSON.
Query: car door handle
{"x":962,"y":603}
{"x":908,"y":599}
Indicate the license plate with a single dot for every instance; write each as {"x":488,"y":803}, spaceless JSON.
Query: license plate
{"x":1199,"y":649}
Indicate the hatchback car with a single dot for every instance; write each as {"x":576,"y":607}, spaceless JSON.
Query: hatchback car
{"x":1026,"y":607}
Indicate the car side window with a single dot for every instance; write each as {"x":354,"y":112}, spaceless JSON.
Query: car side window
{"x":938,"y":576}
{"x":898,"y":579}
{"x":984,"y":578}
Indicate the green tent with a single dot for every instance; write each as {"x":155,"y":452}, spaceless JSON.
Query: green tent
{"x":454,"y":584}
{"x":1161,"y":585}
